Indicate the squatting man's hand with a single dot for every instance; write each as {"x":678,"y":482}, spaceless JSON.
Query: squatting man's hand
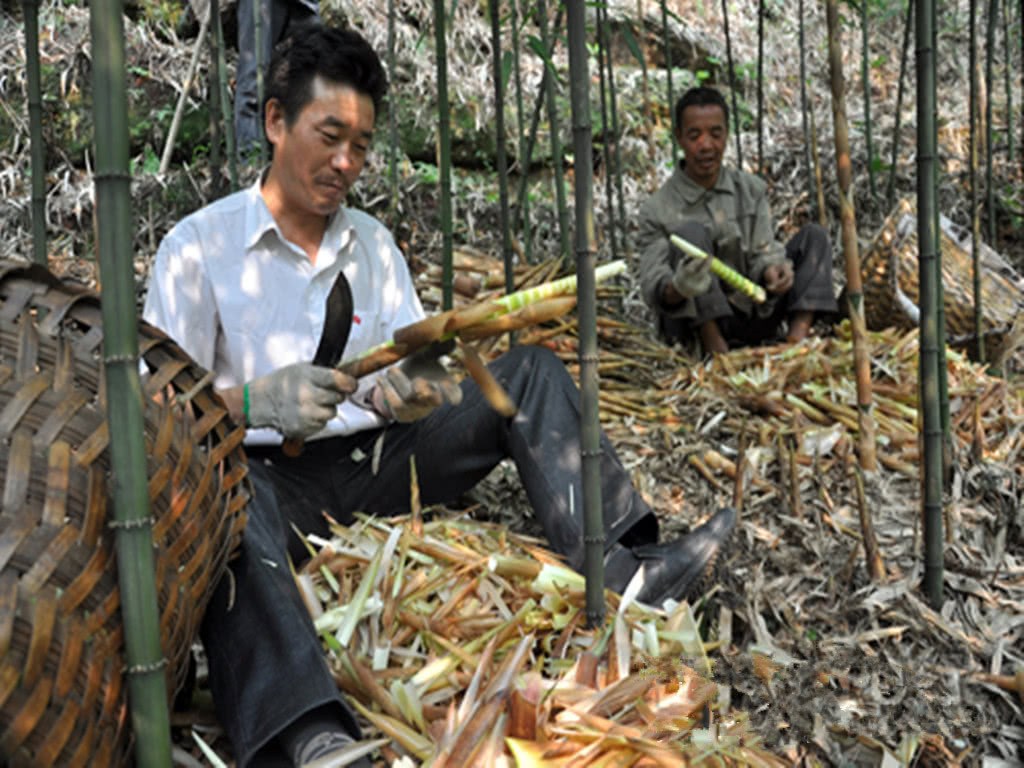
{"x":420,"y":383}
{"x":299,"y":399}
{"x":692,"y":275}
{"x":778,"y":278}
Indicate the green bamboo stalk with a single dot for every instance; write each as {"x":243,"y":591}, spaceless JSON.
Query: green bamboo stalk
{"x":225,"y":101}
{"x":732,"y":84}
{"x":760,"y":86}
{"x":213,"y":84}
{"x":617,"y":153}
{"x":865,"y":79}
{"x":851,"y":255}
{"x":523,"y":160}
{"x":727,"y":274}
{"x":667,"y":44}
{"x":546,"y":101}
{"x":804,"y":106}
{"x":500,"y":159}
{"x":972,"y":106}
{"x":444,"y":152}
{"x":944,"y":417}
{"x":37,"y":150}
{"x":606,"y":133}
{"x":590,"y":430}
{"x":927,"y":145}
{"x":990,"y":187}
{"x":1007,"y":80}
{"x":393,"y":148}
{"x":133,"y":528}
{"x":447,"y":325}
{"x":555,"y":127}
{"x":890,"y":193}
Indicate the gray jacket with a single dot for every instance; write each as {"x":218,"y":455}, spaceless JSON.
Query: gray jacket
{"x":736,"y":213}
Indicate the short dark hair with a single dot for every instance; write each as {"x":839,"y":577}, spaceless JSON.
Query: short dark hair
{"x":342,"y":56}
{"x":701,"y":96}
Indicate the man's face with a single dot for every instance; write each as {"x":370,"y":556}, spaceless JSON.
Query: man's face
{"x":702,"y":136}
{"x":318,"y":159}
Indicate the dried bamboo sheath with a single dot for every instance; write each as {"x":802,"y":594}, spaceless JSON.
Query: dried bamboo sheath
{"x":62,"y":686}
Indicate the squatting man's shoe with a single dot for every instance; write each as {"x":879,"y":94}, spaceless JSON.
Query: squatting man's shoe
{"x":674,"y":569}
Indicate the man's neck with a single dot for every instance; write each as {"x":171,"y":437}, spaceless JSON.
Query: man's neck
{"x":304,"y":229}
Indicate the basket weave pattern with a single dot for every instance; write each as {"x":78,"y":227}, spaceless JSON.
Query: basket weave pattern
{"x":890,"y":267}
{"x":62,"y":685}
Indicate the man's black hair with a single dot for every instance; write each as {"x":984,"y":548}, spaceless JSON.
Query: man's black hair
{"x":701,"y":96}
{"x":340,"y":56}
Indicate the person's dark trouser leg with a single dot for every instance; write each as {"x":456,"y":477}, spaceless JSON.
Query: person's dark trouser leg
{"x":277,"y":16}
{"x":811,"y":254}
{"x":259,"y":638}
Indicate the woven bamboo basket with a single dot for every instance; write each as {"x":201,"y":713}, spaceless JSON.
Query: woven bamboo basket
{"x":889,"y":272}
{"x":62,"y":683}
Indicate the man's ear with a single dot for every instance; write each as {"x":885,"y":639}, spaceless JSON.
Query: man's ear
{"x":274,"y":124}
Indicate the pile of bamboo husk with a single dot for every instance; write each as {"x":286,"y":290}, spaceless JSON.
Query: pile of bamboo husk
{"x":462,"y":644}
{"x":802,"y":395}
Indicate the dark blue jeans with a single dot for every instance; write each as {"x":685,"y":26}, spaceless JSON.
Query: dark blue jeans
{"x":266,"y":663}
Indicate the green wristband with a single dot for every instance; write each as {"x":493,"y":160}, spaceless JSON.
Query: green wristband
{"x":245,"y":404}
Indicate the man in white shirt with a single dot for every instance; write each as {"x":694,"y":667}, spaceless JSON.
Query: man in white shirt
{"x":241,"y":286}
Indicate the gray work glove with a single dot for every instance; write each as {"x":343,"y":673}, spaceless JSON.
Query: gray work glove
{"x":299,"y":399}
{"x":416,"y":386}
{"x":692,"y":275}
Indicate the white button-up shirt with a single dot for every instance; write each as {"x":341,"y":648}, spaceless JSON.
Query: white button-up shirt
{"x":243,"y":301}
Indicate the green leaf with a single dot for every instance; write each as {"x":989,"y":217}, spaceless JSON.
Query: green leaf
{"x":150,"y":162}
{"x":506,"y":70}
{"x":631,"y":43}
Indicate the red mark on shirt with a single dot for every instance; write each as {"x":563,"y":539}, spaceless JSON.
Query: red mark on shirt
{"x":357,"y":319}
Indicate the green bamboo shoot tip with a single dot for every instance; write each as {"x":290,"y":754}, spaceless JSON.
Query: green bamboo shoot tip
{"x":726,"y":273}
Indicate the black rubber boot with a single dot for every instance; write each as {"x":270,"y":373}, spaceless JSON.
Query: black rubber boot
{"x":679,"y":569}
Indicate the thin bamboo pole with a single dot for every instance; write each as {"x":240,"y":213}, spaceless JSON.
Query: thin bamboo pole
{"x":444,"y":152}
{"x":133,"y":527}
{"x":732,"y":85}
{"x":667,"y":45}
{"x":760,"y":85}
{"x":804,"y":106}
{"x":393,"y":148}
{"x":890,"y":193}
{"x":927,"y":145}
{"x":819,"y":183}
{"x":603,"y":65}
{"x":225,"y":101}
{"x":37,"y":150}
{"x":865,"y":79}
{"x":523,"y":160}
{"x":1007,"y":80}
{"x":990,"y":187}
{"x":500,"y":157}
{"x":617,"y":143}
{"x":851,"y":255}
{"x":216,"y":128}
{"x":186,"y":86}
{"x":555,"y":127}
{"x":972,"y":106}
{"x":590,"y":430}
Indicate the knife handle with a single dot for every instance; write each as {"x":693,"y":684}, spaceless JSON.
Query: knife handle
{"x":292,"y":447}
